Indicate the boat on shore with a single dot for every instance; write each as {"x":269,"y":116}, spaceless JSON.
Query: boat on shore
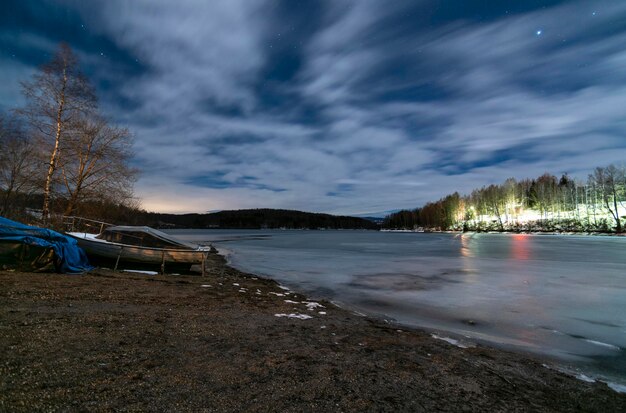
{"x":137,"y":247}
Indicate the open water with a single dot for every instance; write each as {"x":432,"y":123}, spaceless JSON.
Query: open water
{"x":559,"y":296}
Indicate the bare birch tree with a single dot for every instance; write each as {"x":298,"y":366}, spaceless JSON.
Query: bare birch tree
{"x":95,"y":165}
{"x":20,"y":167}
{"x":610,"y":182}
{"x":57,"y":96}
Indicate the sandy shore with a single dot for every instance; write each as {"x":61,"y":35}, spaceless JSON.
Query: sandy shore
{"x":132,"y":342}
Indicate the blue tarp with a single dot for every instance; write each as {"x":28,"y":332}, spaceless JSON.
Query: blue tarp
{"x":69,"y":257}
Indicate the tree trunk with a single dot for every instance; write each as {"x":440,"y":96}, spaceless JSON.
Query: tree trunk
{"x":618,"y":227}
{"x":55,"y":152}
{"x":73,"y":201}
{"x":7,"y":197}
{"x":497,"y":210}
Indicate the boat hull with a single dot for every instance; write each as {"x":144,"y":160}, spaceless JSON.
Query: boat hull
{"x":139,"y":257}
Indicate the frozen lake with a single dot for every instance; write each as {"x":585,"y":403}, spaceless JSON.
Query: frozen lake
{"x":561,"y":296}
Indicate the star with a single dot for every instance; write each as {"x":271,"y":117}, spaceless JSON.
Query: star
{"x":538,"y":33}
{"x":101,"y":54}
{"x":593,"y":14}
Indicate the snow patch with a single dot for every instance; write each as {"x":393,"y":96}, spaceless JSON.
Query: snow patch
{"x":292,"y":302}
{"x":277,"y":294}
{"x":236,"y":285}
{"x":321,"y":312}
{"x":282,"y":287}
{"x":585,"y":378}
{"x":599,"y":343}
{"x":620,"y":388}
{"x":617,"y":387}
{"x":311,"y":305}
{"x":142,"y":272}
{"x":294,"y":315}
{"x":205,"y":286}
{"x":450,"y":341}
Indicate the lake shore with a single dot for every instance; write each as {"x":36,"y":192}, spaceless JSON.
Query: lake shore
{"x":235,"y":342}
{"x":577,"y":233}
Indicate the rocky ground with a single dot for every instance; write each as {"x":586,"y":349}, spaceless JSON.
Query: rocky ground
{"x":109,"y":341}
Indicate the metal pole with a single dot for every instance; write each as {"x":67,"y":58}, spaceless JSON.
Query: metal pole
{"x":21,"y":265}
{"x":118,"y":259}
{"x":163,"y":263}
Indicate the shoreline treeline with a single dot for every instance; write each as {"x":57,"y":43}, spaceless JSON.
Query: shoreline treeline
{"x":542,"y":204}
{"x":259,"y":219}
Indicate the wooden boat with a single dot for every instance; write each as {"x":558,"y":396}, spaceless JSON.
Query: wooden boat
{"x":140,"y":247}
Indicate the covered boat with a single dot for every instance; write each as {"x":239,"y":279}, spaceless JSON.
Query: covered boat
{"x":141,"y":247}
{"x":27,"y":248}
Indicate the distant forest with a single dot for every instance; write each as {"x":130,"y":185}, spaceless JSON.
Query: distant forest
{"x":546,"y":203}
{"x":257,"y":219}
{"x":239,"y":219}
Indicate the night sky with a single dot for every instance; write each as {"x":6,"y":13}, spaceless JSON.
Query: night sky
{"x":352,"y":107}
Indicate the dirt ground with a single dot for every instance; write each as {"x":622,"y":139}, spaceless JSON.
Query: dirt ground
{"x":109,"y":341}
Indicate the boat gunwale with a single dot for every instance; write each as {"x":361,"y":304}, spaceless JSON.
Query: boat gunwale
{"x":201,"y":249}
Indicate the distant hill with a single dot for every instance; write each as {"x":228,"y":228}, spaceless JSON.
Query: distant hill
{"x":257,"y":219}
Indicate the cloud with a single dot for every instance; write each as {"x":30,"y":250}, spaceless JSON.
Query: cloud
{"x":365,"y":110}
{"x":11,"y":93}
{"x":506,"y":89}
